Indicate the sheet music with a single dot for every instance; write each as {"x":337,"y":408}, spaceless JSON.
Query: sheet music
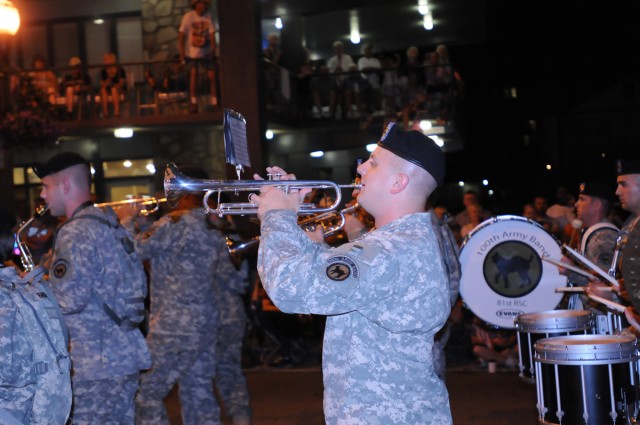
{"x":235,"y":139}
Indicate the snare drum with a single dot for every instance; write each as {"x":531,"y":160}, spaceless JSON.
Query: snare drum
{"x":587,"y":379}
{"x":534,"y":326}
{"x":503,"y":275}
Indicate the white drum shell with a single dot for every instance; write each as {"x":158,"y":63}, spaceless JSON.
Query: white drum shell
{"x":481,"y":298}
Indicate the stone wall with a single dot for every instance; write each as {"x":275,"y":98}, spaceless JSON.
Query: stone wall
{"x":160,"y":23}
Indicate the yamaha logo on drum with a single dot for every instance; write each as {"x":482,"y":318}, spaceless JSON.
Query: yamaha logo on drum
{"x":507,"y":313}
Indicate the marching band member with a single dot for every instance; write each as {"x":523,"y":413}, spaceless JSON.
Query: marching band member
{"x":598,"y":240}
{"x":87,"y":270}
{"x":386,"y":293}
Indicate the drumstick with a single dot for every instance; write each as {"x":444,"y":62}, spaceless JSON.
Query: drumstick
{"x":582,"y":289}
{"x":608,"y":303}
{"x":592,"y":266}
{"x":568,"y":267}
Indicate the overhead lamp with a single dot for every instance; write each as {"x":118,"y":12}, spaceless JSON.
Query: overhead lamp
{"x":278,"y":23}
{"x":423,"y":7}
{"x":354,"y":25}
{"x":485,"y":182}
{"x":461,"y":183}
{"x":127,"y":164}
{"x":123,"y":132}
{"x":98,"y":21}
{"x":425,"y":125}
{"x":151,"y":168}
{"x":548,"y":167}
{"x":268,"y":134}
{"x":371,"y":147}
{"x":9,"y":18}
{"x":427,"y":22}
{"x":316,"y":154}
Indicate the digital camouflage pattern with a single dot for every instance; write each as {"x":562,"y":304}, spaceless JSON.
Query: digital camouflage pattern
{"x":450,"y":255}
{"x":232,"y":284}
{"x":386,"y":295}
{"x":86,"y":263}
{"x":184,"y":252}
{"x":35,"y":382}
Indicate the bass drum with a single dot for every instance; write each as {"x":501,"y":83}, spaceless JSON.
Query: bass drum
{"x":503,"y":275}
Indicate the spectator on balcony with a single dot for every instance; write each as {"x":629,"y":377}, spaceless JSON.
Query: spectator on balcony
{"x":441,"y":80}
{"x":75,"y":85}
{"x":43,"y":80}
{"x":413,"y":74}
{"x":198,"y":27}
{"x":392,"y":85}
{"x":371,"y":70}
{"x":113,"y":84}
{"x":324,"y":90}
{"x":339,"y":64}
{"x":273,"y":54}
{"x":356,"y":86}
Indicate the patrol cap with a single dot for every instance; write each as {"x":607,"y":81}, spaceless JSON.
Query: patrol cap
{"x":416,"y":148}
{"x":628,"y":166}
{"x":58,"y":163}
{"x":597,"y":190}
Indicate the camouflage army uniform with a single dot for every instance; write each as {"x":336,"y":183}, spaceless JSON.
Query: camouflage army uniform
{"x":231,"y":285}
{"x":598,"y":244}
{"x":450,"y":254}
{"x":106,"y":359}
{"x":386,"y":295}
{"x":183,"y":251}
{"x":35,"y":382}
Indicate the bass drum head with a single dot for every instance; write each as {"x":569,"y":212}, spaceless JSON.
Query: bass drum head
{"x":503,"y":275}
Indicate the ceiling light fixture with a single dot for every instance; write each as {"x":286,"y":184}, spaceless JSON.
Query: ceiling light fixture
{"x":123,"y":133}
{"x":354,"y":25}
{"x":316,"y":154}
{"x":9,"y":18}
{"x":278,"y":23}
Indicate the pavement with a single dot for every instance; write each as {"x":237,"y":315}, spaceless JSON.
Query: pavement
{"x":293,"y":396}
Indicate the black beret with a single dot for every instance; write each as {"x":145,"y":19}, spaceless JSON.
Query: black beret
{"x":597,"y":190}
{"x":58,"y":163}
{"x":416,"y":148}
{"x":628,"y":166}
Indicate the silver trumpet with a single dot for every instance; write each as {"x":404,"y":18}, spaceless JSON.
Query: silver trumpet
{"x":25,"y":254}
{"x":331,"y":222}
{"x":177,"y":184}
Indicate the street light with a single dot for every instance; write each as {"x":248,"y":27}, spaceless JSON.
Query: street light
{"x":9,"y":18}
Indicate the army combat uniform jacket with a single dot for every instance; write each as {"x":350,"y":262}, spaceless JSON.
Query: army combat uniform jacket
{"x":84,"y":266}
{"x":386,"y":295}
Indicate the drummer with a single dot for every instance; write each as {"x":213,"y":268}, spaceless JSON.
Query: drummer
{"x":628,"y":191}
{"x":597,"y":239}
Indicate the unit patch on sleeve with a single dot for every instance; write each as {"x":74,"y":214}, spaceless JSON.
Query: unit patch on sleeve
{"x":341,"y":268}
{"x":60,"y":269}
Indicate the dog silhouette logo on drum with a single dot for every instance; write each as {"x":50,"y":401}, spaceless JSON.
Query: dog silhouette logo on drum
{"x":512,"y":269}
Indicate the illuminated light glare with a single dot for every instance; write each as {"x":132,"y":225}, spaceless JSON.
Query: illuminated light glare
{"x":427,"y":22}
{"x":9,"y":18}
{"x":93,"y":171}
{"x":123,"y":133}
{"x":268,"y":134}
{"x":98,"y":21}
{"x":423,"y":10}
{"x":371,"y":147}
{"x":316,"y":154}
{"x":279,"y":23}
{"x":425,"y":125}
{"x":548,"y":166}
{"x":485,"y":182}
{"x":490,"y":192}
{"x":461,"y":183}
{"x":151,"y":168}
{"x":514,"y":92}
{"x":354,"y":26}
{"x":127,"y":164}
{"x":604,"y":155}
{"x":438,"y":141}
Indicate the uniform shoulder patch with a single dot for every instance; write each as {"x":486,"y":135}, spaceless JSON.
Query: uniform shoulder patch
{"x":60,"y":269}
{"x":341,"y":267}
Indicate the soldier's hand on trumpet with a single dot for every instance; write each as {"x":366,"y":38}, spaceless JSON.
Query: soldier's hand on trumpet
{"x":272,"y":198}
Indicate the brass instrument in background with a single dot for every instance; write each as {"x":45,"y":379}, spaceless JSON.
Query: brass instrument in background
{"x":25,"y":254}
{"x":331,"y":222}
{"x":153,"y":202}
{"x":177,"y":184}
